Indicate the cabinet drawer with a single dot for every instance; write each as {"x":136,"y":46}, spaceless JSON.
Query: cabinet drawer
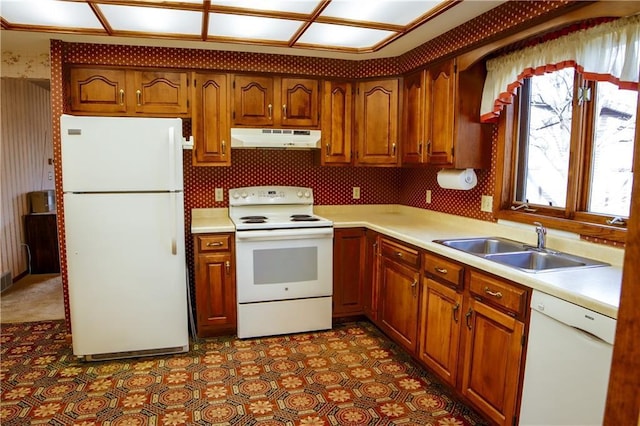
{"x":400,"y":253}
{"x":444,"y":270}
{"x":213,"y":243}
{"x":499,"y":293}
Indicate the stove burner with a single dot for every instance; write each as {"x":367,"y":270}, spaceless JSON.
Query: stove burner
{"x":253,"y":218}
{"x":304,"y":219}
{"x":300,"y":216}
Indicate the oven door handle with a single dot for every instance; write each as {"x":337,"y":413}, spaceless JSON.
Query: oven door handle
{"x":284,"y":234}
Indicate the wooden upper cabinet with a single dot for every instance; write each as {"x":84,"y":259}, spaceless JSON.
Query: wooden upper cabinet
{"x":160,"y":92}
{"x":336,"y":118}
{"x":210,"y":120}
{"x":441,"y":117}
{"x":253,"y":103}
{"x":262,"y":101}
{"x":299,"y":102}
{"x":377,"y":122}
{"x":413,"y":138}
{"x":441,"y":83}
{"x":130,"y":92}
{"x":98,"y":90}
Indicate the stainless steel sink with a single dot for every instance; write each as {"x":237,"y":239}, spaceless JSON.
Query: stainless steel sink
{"x":519,"y":255}
{"x":484,"y":245}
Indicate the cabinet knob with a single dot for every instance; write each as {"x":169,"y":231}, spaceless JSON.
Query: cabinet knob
{"x":399,"y":254}
{"x":227,"y":265}
{"x":393,"y":148}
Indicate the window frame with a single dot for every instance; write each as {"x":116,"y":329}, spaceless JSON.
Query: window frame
{"x":573,"y":217}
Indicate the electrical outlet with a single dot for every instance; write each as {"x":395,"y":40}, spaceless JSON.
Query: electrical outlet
{"x":486,"y":204}
{"x":428,"y":196}
{"x":356,"y":192}
{"x":219,"y":194}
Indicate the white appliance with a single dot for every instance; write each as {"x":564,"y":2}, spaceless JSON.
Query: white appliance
{"x":568,"y":362}
{"x":284,"y":261}
{"x":124,"y":231}
{"x":275,"y":138}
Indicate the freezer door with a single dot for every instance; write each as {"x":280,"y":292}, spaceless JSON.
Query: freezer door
{"x":126,"y":271}
{"x":116,"y":154}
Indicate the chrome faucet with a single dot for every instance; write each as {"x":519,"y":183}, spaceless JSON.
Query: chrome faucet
{"x":542,"y":235}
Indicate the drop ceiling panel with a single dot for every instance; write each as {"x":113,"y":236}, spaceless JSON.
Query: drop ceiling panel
{"x":152,"y":19}
{"x":289,"y":6}
{"x":398,"y":12}
{"x":343,"y":36}
{"x":49,"y":13}
{"x":251,"y":27}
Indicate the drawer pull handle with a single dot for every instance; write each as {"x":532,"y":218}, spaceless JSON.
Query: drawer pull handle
{"x":224,"y":148}
{"x":284,"y":111}
{"x":413,"y":287}
{"x":215,"y":244}
{"x":328,"y":151}
{"x":468,"y":317}
{"x":121,"y":96}
{"x":441,"y":270}
{"x":270,"y":108}
{"x":455,"y":310}
{"x":138,"y":97}
{"x":495,"y":294}
{"x":399,"y":254}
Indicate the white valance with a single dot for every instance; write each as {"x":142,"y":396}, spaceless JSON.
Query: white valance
{"x":606,"y":52}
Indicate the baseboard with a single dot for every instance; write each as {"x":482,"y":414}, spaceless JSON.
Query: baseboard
{"x":5,"y":281}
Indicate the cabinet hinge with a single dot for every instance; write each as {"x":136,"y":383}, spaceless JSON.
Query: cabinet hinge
{"x":453,"y":152}
{"x":234,"y":84}
{"x":455,"y":68}
{"x":187,"y":103}
{"x":522,"y":339}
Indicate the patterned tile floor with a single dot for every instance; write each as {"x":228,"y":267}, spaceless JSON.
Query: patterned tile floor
{"x":351,"y":375}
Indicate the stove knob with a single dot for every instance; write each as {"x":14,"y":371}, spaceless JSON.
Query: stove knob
{"x":307,"y":194}
{"x":299,"y":194}
{"x":244,"y":195}
{"x":235,"y":195}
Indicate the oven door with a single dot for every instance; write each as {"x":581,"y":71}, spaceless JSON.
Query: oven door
{"x":283,"y":264}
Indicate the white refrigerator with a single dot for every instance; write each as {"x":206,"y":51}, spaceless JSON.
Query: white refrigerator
{"x":124,"y":232}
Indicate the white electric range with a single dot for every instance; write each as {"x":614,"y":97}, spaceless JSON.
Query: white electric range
{"x":284,"y":261}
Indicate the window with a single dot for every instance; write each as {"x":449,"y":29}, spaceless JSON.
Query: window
{"x":571,"y":148}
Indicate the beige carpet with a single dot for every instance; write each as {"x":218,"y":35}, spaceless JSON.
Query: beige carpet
{"x":33,"y":298}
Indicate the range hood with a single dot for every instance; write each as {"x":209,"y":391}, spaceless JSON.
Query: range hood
{"x":275,"y":138}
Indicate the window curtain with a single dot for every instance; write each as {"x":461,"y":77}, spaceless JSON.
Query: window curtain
{"x":607,"y":52}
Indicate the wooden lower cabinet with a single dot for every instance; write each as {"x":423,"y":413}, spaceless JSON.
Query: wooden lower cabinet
{"x":349,"y":251}
{"x":492,"y":361}
{"x":371,"y":285}
{"x":399,"y":287}
{"x":440,"y":329}
{"x":215,"y":284}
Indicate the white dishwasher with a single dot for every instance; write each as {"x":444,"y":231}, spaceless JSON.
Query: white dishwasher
{"x":567,"y":366}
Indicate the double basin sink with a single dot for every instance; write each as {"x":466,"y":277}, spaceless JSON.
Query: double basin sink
{"x":519,"y":255}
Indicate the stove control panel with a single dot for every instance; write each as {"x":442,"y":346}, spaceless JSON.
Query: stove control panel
{"x":256,"y":195}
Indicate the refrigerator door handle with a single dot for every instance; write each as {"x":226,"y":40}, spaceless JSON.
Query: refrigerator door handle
{"x":172,"y":158}
{"x":174,"y":221}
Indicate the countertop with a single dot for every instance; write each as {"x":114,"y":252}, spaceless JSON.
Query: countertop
{"x":597,"y":289}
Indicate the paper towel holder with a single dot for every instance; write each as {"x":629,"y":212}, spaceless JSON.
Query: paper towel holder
{"x":462,"y":179}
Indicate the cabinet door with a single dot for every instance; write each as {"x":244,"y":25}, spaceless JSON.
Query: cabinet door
{"x":399,"y":302}
{"x":215,"y":294}
{"x":253,"y":103}
{"x":210,"y":120}
{"x":349,"y":250}
{"x":440,"y":113}
{"x":300,"y":102}
{"x":493,"y":356}
{"x":161,"y":92}
{"x":377,"y":129}
{"x":413,"y":119}
{"x":337,"y":110}
{"x":98,"y":90}
{"x":440,"y":329}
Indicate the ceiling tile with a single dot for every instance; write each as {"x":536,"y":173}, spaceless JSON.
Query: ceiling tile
{"x":293,"y":6}
{"x":251,"y":27}
{"x":151,"y":19}
{"x":50,"y":13}
{"x":398,"y":12}
{"x":339,"y":35}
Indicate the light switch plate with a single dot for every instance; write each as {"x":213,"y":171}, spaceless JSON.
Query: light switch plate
{"x":428,"y":197}
{"x":356,"y":192}
{"x":219,"y":195}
